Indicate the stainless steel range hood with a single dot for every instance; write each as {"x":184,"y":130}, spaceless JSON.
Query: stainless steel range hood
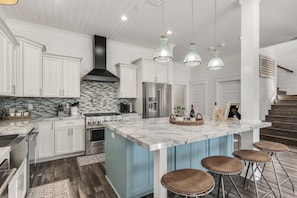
{"x":99,"y":73}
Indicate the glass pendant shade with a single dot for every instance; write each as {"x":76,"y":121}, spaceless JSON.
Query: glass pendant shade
{"x":8,"y":2}
{"x":163,"y":54}
{"x":192,"y":58}
{"x":215,"y":63}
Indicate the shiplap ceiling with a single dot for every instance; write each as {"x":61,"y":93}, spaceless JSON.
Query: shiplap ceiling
{"x":102,"y":17}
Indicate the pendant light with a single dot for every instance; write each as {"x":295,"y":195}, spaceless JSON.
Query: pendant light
{"x":163,"y":54}
{"x":8,"y":2}
{"x":192,"y":58}
{"x":215,"y":63}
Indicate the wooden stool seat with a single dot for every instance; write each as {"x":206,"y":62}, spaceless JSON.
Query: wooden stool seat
{"x":271,"y":146}
{"x":223,"y":165}
{"x":252,"y":156}
{"x":188,"y":182}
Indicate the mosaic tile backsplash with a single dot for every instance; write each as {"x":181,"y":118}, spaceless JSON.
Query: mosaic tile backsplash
{"x":94,"y":97}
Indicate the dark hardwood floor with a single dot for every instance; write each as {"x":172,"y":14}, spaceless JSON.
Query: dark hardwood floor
{"x":90,"y":182}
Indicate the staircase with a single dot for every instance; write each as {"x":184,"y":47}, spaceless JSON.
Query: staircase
{"x":283,"y":116}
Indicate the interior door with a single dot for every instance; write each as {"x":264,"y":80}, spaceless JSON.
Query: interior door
{"x":198,"y":97}
{"x":228,"y":91}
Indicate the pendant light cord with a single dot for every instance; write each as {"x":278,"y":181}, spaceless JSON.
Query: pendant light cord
{"x":163,"y":28}
{"x":215,"y":26}
{"x":192,"y":21}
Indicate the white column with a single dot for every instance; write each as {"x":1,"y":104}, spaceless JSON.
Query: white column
{"x":160,"y":168}
{"x":250,"y":19}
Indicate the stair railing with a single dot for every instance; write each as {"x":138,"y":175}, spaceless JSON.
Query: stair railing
{"x":287,"y":70}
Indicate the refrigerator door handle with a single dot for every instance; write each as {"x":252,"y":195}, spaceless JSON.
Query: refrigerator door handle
{"x":159,"y":102}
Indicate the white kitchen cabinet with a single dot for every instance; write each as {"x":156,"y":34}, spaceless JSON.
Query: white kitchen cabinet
{"x":30,"y":68}
{"x":151,"y":71}
{"x":61,"y":76}
{"x":46,"y":140}
{"x":62,"y":140}
{"x":7,"y":61}
{"x":18,"y":184}
{"x":69,"y":136}
{"x":128,"y":81}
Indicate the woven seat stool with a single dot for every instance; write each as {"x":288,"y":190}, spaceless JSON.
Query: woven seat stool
{"x":188,"y":182}
{"x":223,"y":166}
{"x":254,"y":159}
{"x":272,"y":148}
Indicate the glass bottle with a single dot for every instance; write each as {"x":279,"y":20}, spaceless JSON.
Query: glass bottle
{"x":192,"y":112}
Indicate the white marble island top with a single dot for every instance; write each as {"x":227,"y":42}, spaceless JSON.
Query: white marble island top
{"x":157,"y":133}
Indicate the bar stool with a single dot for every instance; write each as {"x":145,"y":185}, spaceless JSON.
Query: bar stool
{"x":272,"y":148}
{"x":223,"y":165}
{"x":254,"y":157}
{"x":188,"y":182}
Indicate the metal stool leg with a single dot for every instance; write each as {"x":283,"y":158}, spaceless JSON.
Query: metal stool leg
{"x":255,"y":182}
{"x":288,"y":177}
{"x":222,"y":182}
{"x":262,"y":176}
{"x":234,"y":186}
{"x":276,"y":177}
{"x":246,"y":173}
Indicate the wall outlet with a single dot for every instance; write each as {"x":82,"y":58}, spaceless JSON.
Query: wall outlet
{"x":30,"y":106}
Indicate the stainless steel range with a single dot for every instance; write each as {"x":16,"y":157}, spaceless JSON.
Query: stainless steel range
{"x":95,"y":130}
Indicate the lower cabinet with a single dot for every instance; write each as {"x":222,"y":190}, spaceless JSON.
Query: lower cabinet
{"x":46,"y":140}
{"x":129,"y":167}
{"x":69,"y":137}
{"x":18,"y":185}
{"x":60,"y":137}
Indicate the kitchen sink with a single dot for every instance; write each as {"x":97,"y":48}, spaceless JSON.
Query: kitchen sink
{"x":7,"y":139}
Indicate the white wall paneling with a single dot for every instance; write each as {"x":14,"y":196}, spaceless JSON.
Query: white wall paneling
{"x":228,"y":91}
{"x":198,"y":97}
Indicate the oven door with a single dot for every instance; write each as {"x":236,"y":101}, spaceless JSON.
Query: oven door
{"x":95,"y":140}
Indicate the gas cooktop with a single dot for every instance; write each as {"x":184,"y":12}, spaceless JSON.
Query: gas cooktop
{"x":101,"y":114}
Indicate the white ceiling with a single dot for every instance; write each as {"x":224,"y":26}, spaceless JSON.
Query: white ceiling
{"x":102,"y":17}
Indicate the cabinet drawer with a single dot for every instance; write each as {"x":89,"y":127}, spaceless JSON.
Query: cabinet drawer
{"x":69,"y":123}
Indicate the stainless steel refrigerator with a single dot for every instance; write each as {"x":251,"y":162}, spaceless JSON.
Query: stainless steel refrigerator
{"x":156,"y":100}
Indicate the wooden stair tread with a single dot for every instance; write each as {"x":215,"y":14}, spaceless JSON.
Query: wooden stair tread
{"x":280,"y":129}
{"x":279,"y":137}
{"x":283,"y":116}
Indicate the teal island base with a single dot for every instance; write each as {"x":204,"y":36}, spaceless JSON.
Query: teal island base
{"x":130,"y":167}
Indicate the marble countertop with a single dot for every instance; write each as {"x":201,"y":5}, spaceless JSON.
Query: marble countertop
{"x":23,"y":127}
{"x":157,"y":133}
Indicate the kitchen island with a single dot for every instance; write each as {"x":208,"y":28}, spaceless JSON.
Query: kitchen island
{"x":140,"y":151}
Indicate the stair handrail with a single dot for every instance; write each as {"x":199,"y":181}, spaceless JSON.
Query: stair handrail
{"x":288,"y":70}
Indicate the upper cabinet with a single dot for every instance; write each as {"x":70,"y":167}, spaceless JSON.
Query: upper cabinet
{"x":61,"y":76}
{"x":8,"y":45}
{"x":128,"y":79}
{"x":151,"y":71}
{"x":29,"y":68}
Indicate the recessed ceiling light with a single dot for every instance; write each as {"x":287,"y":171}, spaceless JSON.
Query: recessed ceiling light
{"x":124,"y":18}
{"x":169,"y":32}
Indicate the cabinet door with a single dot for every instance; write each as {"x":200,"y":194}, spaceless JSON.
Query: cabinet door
{"x":78,"y":139}
{"x":2,"y":63}
{"x":71,"y":78}
{"x":10,"y":68}
{"x":7,"y":66}
{"x":32,"y":70}
{"x":45,"y":140}
{"x":148,"y":72}
{"x":62,"y":140}
{"x":128,"y":82}
{"x":161,"y":73}
{"x":52,"y":77}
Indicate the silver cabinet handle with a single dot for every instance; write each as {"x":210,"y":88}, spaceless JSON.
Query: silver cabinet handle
{"x":13,"y":89}
{"x":7,"y":180}
{"x":40,"y":91}
{"x":52,"y":126}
